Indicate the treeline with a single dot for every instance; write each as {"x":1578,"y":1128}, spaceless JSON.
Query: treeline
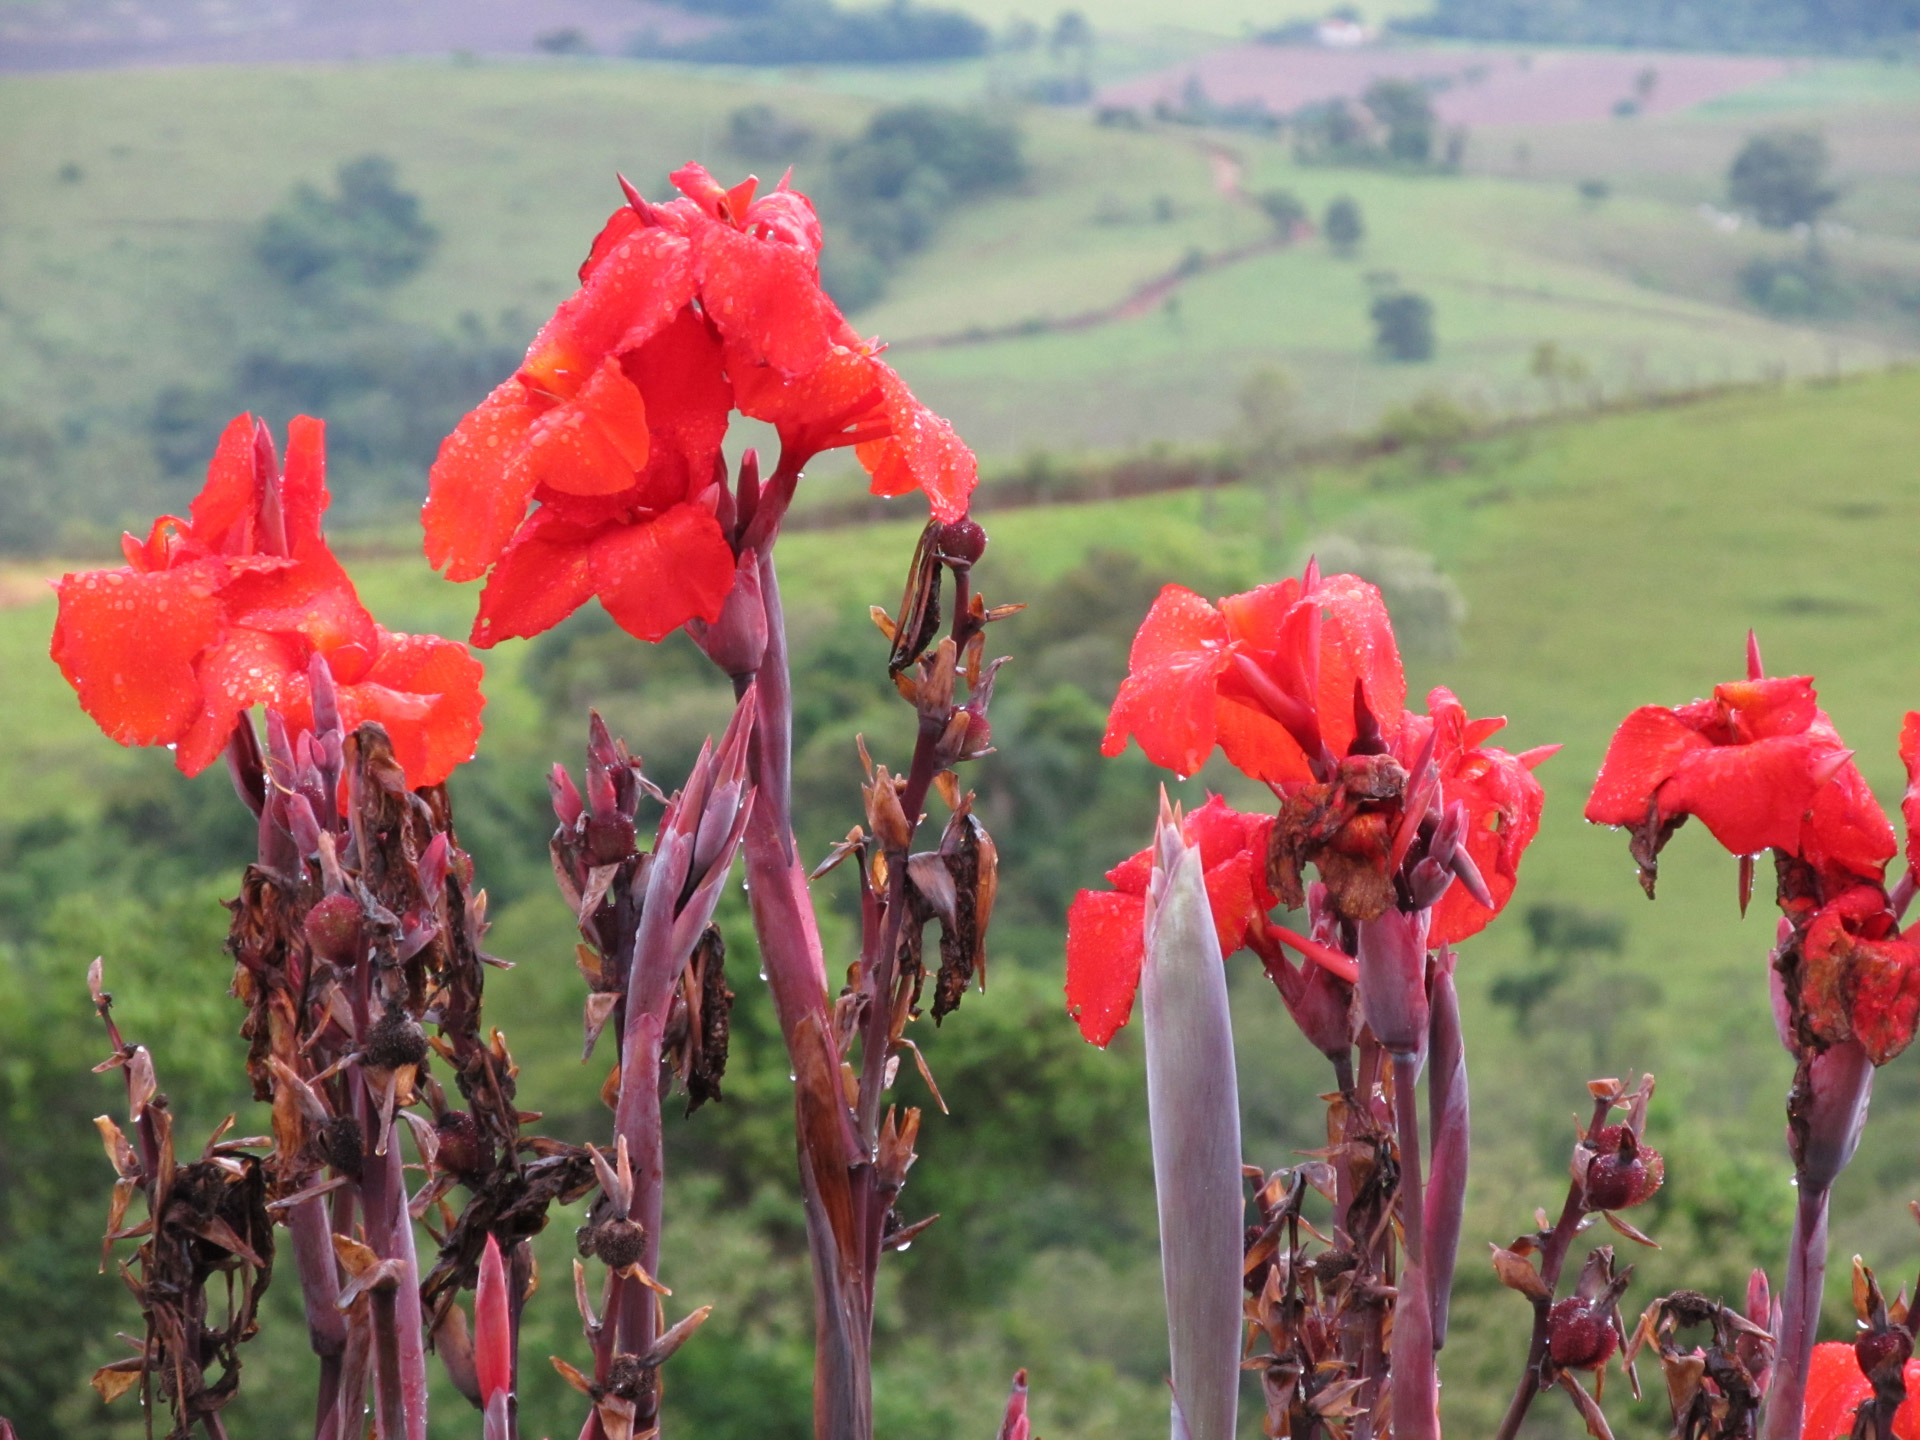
{"x":819,"y":32}
{"x":1681,"y":24}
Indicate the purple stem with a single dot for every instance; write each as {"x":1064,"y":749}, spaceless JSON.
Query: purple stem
{"x":1553,"y":1256}
{"x":320,"y":1289}
{"x":1826,"y":1110}
{"x":383,"y":1194}
{"x":1799,"y":1316}
{"x":1447,"y":1119}
{"x":1416,"y":1387}
{"x":390,"y":1407}
{"x":638,"y":1119}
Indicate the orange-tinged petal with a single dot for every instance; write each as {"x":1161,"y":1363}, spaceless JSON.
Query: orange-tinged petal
{"x":426,"y":691}
{"x":1760,"y":709}
{"x":681,"y":373}
{"x":1259,"y":746}
{"x":1846,"y":831}
{"x":303,"y":488}
{"x":596,"y":443}
{"x":1106,"y":947}
{"x":127,"y":643}
{"x":478,"y":489}
{"x":655,"y":576}
{"x":637,"y":286}
{"x":542,"y":579}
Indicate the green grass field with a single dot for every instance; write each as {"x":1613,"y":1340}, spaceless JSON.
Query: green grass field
{"x":138,"y":275}
{"x":1605,"y":563}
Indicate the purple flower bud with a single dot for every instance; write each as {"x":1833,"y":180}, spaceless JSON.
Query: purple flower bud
{"x":1393,"y":978}
{"x":567,"y":805}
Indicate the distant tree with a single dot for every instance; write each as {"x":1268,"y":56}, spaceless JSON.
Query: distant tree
{"x":1284,"y":209}
{"x":1594,"y":191}
{"x":1071,"y":37}
{"x":368,"y":232}
{"x":571,"y":40}
{"x":1780,"y":175}
{"x":1404,"y":108}
{"x":1403,"y":326}
{"x":761,"y":133}
{"x":1344,"y":226}
{"x":1269,"y":405}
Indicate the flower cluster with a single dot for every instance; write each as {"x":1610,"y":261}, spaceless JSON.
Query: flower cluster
{"x":229,"y":608}
{"x":1299,"y":684}
{"x":611,"y":429}
{"x":1762,"y":767}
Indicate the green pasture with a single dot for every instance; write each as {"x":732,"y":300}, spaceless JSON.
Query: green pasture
{"x":1605,"y":563}
{"x":131,"y":271}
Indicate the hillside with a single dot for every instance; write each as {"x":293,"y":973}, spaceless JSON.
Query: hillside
{"x":130,"y":295}
{"x":1603,"y":563}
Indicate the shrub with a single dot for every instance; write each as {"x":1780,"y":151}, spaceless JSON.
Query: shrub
{"x":1780,"y":176}
{"x":1344,"y":226}
{"x":1403,"y":326}
{"x":368,"y":232}
{"x":762,"y":134}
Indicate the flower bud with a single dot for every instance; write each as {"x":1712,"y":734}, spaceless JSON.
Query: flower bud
{"x":1580,"y":1334}
{"x":1393,"y":978}
{"x":960,"y":542}
{"x":1615,"y":1171}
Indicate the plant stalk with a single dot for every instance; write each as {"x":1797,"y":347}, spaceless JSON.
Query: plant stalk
{"x":1416,"y":1386}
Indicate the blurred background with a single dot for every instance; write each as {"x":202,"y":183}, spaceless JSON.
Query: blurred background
{"x":1584,"y":328}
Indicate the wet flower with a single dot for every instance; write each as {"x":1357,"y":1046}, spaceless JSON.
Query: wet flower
{"x":1762,"y":767}
{"x":1270,"y":676}
{"x":612,"y":427}
{"x":1836,"y":1387}
{"x":1105,"y":935}
{"x":228,"y":608}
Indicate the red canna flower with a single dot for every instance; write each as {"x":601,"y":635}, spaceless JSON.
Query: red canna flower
{"x":1105,"y":928}
{"x":1836,"y":1386}
{"x":1503,"y":803}
{"x":1270,"y":676}
{"x":612,"y":426}
{"x":226,"y":609}
{"x":1762,"y":767}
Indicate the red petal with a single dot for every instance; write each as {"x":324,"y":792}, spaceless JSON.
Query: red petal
{"x":637,"y":286}
{"x":478,"y":488}
{"x":223,"y":512}
{"x":1910,"y":801}
{"x":816,"y":407}
{"x":1835,"y":1388}
{"x":1503,"y":802}
{"x":1356,"y":647}
{"x":766,"y":295}
{"x":1750,"y":796}
{"x":921,"y":451}
{"x":596,"y":443}
{"x":681,"y":373}
{"x":541,"y":579}
{"x":1105,"y":950}
{"x":426,"y":691}
{"x":655,"y":576}
{"x":1259,"y":746}
{"x":1230,"y":895}
{"x":492,"y":1326}
{"x":1642,"y":756}
{"x":1846,"y":834}
{"x":127,"y":643}
{"x":1167,"y":701}
{"x":1759,"y":709}
{"x":247,"y":668}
